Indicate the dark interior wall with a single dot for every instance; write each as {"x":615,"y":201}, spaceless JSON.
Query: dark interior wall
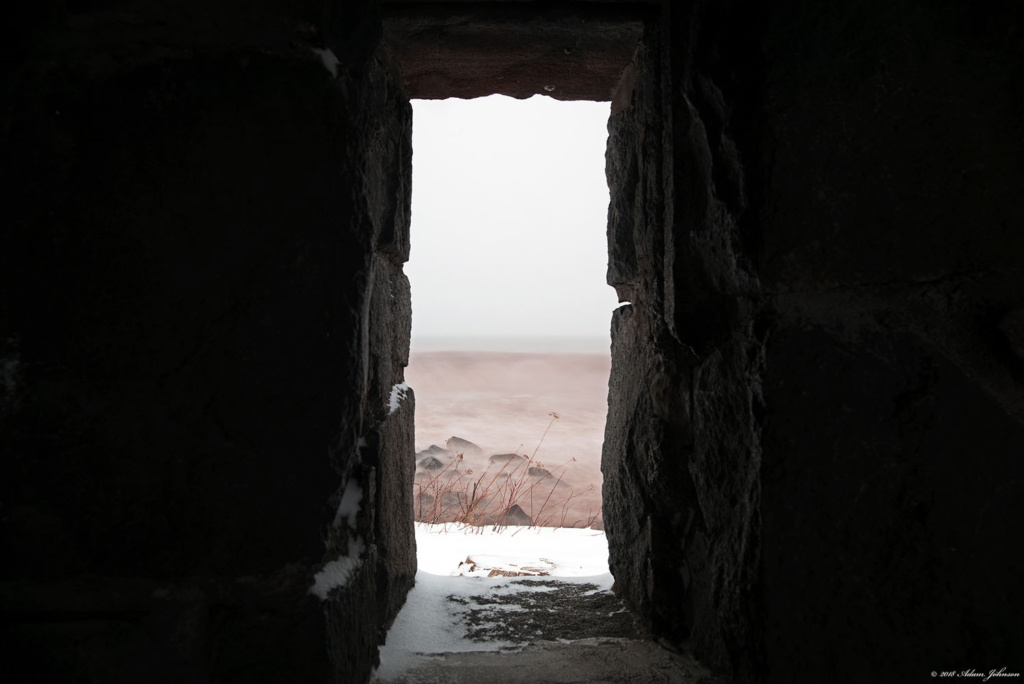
{"x":202,"y":317}
{"x":382,"y":464}
{"x":815,"y":410}
{"x":891,"y":243}
{"x":681,"y":454}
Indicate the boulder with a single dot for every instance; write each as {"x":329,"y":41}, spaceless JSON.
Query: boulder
{"x":430,"y":463}
{"x":432,"y":450}
{"x":453,"y":498}
{"x":502,"y":459}
{"x":513,"y":515}
{"x":464,"y":447}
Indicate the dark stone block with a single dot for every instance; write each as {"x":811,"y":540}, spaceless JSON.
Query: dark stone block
{"x":568,"y":52}
{"x":184,"y":367}
{"x":395,"y":533}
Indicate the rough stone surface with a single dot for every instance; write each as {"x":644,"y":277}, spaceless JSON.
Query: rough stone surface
{"x":396,"y":567}
{"x":816,"y":407}
{"x":568,"y":51}
{"x":822,"y":338}
{"x":380,"y":458}
{"x":681,"y":456}
{"x":196,"y":216}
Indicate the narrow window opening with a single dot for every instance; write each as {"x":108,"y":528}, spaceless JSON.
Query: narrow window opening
{"x":510,"y":352}
{"x":511,"y":312}
{"x":510,"y":361}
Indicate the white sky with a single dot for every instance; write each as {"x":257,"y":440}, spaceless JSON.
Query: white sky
{"x":509,"y":209}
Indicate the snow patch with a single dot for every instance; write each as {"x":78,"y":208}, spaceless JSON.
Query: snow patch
{"x":349,"y":506}
{"x":397,"y":397}
{"x":431,"y":623}
{"x":562,"y":552}
{"x":329,"y":60}
{"x":338,"y":572}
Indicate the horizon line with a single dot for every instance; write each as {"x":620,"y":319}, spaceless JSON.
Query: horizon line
{"x":513,"y":343}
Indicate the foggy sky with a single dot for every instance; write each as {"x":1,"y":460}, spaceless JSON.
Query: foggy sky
{"x":509,"y":210}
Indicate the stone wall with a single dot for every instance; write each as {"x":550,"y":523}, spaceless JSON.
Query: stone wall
{"x":563,"y":50}
{"x":203,"y":316}
{"x":681,"y":456}
{"x":891,"y":245}
{"x":817,"y":395}
{"x":816,"y":408}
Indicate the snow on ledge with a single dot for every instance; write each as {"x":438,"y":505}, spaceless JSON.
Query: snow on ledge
{"x":397,"y":397}
{"x":349,"y":506}
{"x":329,"y":60}
{"x":338,"y":572}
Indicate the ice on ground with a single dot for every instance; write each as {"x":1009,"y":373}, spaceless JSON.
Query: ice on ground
{"x":433,"y":619}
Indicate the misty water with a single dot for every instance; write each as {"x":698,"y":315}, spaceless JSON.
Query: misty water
{"x":502,"y":401}
{"x":508,"y":237}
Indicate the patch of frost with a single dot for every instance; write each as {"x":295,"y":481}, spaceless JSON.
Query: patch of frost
{"x":329,"y":60}
{"x":397,"y":397}
{"x":338,"y":572}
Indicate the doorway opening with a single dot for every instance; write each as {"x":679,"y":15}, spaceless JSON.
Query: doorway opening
{"x":510,"y":360}
{"x":511,"y":313}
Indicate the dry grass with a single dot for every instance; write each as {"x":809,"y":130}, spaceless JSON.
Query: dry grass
{"x":503,"y":495}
